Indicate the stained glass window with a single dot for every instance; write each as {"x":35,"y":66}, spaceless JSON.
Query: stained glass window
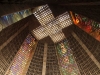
{"x":88,"y":25}
{"x":23,"y":55}
{"x":14,"y":17}
{"x":66,"y":59}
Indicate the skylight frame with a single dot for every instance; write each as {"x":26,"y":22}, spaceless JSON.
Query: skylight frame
{"x":64,"y":20}
{"x":44,"y":15}
{"x":52,"y":26}
{"x":57,"y":37}
{"x":40,"y":33}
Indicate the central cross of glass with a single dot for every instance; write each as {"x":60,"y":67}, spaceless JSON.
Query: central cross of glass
{"x":51,"y":26}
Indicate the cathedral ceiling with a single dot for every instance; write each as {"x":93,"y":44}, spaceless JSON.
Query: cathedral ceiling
{"x":46,"y":1}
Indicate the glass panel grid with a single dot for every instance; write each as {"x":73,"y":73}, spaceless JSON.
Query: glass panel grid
{"x":53,"y":27}
{"x":44,"y":14}
{"x":23,"y":55}
{"x":67,"y":62}
{"x":57,"y":37}
{"x":88,"y":25}
{"x":40,"y":32}
{"x":14,"y":17}
{"x":64,"y":20}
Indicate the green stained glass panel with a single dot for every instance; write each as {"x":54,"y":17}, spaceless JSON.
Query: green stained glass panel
{"x":67,"y":62}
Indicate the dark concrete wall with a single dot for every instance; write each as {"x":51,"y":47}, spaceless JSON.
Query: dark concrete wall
{"x":92,"y":44}
{"x":85,"y":64}
{"x":37,"y":61}
{"x":11,"y":8}
{"x":10,"y":50}
{"x":12,"y":29}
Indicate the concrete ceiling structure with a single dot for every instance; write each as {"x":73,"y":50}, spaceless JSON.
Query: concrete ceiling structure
{"x":47,"y":1}
{"x":86,"y":49}
{"x":57,"y":9}
{"x":85,"y":8}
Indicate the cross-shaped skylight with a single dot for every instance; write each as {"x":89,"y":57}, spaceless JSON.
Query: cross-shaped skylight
{"x":51,"y":26}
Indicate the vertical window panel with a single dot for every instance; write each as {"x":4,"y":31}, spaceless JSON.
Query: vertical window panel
{"x":57,"y":37}
{"x":40,"y":33}
{"x":88,"y":25}
{"x":53,"y":27}
{"x":44,"y":14}
{"x":66,"y":59}
{"x":14,"y":17}
{"x":23,"y":55}
{"x":64,"y":20}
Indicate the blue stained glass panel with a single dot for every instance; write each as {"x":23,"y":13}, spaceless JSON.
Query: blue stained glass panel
{"x":13,"y":17}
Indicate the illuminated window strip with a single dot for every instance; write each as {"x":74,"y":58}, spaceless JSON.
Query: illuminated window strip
{"x":44,"y":20}
{"x":63,"y":16}
{"x":51,"y":25}
{"x":67,"y":62}
{"x":65,"y":23}
{"x":43,"y":7}
{"x":57,"y":37}
{"x":64,"y":20}
{"x":18,"y":65}
{"x":89,"y":26}
{"x":40,"y":32}
{"x":14,"y":17}
{"x":44,"y":14}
